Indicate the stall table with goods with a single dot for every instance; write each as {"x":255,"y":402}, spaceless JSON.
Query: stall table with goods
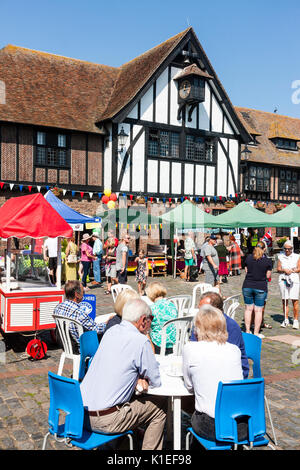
{"x":27,"y":298}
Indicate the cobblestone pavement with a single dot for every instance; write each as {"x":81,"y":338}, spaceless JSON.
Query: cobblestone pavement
{"x":24,"y":395}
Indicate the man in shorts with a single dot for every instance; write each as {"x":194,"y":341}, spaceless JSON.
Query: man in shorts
{"x":211,"y":261}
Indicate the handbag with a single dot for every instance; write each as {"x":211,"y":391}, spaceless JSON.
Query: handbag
{"x":72,"y":258}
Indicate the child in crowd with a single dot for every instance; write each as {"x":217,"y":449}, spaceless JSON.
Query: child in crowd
{"x":141,"y":271}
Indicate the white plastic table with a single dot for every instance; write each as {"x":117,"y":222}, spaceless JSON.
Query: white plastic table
{"x":173,"y":387}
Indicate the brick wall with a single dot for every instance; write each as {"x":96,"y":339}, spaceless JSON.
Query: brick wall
{"x":17,"y":145}
{"x":8,"y":152}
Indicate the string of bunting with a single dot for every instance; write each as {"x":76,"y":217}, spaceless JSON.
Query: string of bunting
{"x":110,"y":199}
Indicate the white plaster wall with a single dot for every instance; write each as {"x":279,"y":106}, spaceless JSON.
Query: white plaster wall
{"x":222,"y":170}
{"x":217,"y":116}
{"x":210,"y":181}
{"x":164,"y":184}
{"x":188,"y":179}
{"x":161,"y":102}
{"x":138,"y":161}
{"x":227,"y":128}
{"x":176,"y":178}
{"x":152,"y":176}
{"x":199,"y":180}
{"x":234,"y":155}
{"x":134,"y":112}
{"x":107,"y":159}
{"x":174,"y":98}
{"x":147,"y":105}
{"x":204,"y":110}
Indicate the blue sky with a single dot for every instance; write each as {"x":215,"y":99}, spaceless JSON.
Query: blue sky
{"x":253,"y":45}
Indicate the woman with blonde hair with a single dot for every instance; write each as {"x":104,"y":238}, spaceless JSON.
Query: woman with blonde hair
{"x":122,"y":298}
{"x":162,"y":310}
{"x":206,"y":362}
{"x":255,"y":287}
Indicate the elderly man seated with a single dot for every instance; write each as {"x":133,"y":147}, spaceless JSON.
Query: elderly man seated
{"x":125,"y":361}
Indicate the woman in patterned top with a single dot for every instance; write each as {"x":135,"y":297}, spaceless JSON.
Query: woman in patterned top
{"x":162,"y":310}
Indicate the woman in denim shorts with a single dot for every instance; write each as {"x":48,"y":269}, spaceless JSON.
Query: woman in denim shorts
{"x":255,"y":287}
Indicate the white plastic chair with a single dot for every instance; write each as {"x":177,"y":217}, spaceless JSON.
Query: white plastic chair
{"x":233,"y":299}
{"x":231,"y":310}
{"x":183,"y":327}
{"x":182,"y":303}
{"x":63,"y":326}
{"x":117,"y":288}
{"x":199,"y":289}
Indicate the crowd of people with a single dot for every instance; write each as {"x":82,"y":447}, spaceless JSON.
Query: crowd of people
{"x":132,"y":336}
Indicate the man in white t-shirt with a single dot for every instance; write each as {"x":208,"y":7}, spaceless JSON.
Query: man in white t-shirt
{"x":50,"y":255}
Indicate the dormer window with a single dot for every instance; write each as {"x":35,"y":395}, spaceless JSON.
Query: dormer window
{"x":254,"y":140}
{"x":286,"y":144}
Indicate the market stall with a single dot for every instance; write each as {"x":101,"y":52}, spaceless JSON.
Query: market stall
{"x":242,"y":215}
{"x":27,"y":298}
{"x":67,"y":213}
{"x":186,"y":216}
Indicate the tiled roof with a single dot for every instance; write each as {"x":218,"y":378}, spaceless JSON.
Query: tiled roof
{"x":135,"y":74}
{"x":55,"y":91}
{"x":266,"y":126}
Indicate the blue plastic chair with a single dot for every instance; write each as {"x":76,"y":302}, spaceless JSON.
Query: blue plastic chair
{"x":239,"y":398}
{"x":89,"y":343}
{"x":66,"y":400}
{"x":253,"y":351}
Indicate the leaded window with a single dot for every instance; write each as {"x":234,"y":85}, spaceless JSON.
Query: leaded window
{"x":200,"y":149}
{"x":288,"y":182}
{"x":163,"y":143}
{"x":51,"y":150}
{"x":257,"y":178}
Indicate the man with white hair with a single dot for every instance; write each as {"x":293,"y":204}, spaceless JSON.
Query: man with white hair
{"x":124,"y":363}
{"x":288,"y":268}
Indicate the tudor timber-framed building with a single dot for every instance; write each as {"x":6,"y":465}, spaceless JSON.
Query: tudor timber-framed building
{"x":60,"y":119}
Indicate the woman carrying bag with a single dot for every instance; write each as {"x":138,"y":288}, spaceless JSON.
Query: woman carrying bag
{"x":86,"y":258}
{"x":71,"y":260}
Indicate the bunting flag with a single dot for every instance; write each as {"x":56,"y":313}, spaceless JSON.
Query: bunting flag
{"x":152,"y":199}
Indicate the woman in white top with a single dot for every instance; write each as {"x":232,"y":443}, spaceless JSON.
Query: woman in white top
{"x":289,"y":267}
{"x":207,"y":362}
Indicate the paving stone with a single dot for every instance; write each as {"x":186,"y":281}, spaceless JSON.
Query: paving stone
{"x":24,"y":393}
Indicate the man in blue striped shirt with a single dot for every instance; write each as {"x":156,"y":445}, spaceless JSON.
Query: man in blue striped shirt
{"x":123,"y":363}
{"x":70,"y":308}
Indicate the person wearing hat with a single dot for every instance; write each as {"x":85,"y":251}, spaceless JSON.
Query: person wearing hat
{"x":97,"y":252}
{"x":86,"y":257}
{"x":210,"y":264}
